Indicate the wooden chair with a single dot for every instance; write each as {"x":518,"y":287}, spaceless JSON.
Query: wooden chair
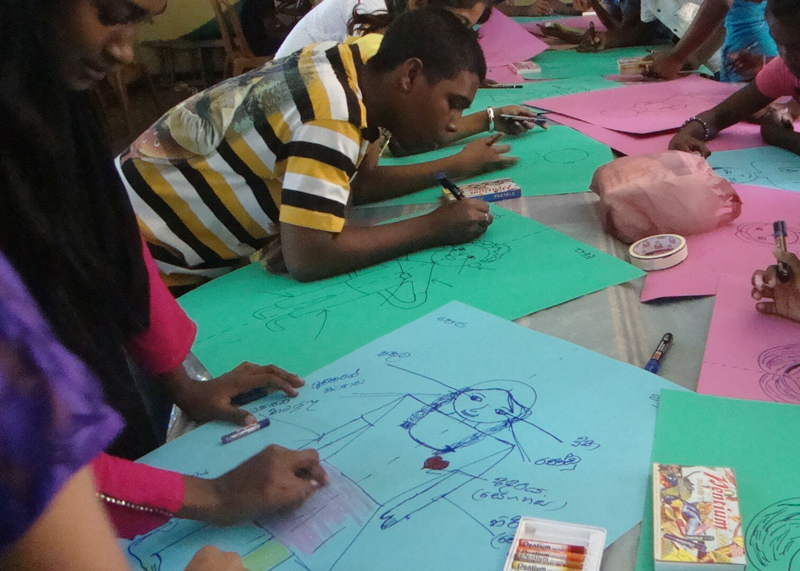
{"x":117,"y":83}
{"x":238,"y":55}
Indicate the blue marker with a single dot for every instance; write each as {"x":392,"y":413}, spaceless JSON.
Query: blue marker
{"x":242,"y":432}
{"x":654,"y":364}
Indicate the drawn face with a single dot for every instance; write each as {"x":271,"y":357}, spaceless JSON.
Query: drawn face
{"x":488,"y":405}
{"x":782,"y":175}
{"x":470,"y":255}
{"x":734,"y":175}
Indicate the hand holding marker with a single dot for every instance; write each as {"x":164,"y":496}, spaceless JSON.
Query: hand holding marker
{"x":784,"y":271}
{"x":524,"y":118}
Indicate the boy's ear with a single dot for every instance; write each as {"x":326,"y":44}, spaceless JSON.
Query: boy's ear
{"x":410,"y":74}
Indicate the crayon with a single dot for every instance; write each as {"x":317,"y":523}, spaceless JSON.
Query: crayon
{"x":544,"y":559}
{"x":528,"y":554}
{"x":551,"y":546}
{"x":523,"y":566}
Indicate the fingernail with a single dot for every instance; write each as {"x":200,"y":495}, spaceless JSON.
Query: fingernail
{"x":756,"y":295}
{"x":759,"y":281}
{"x":314,"y":483}
{"x":250,"y":419}
{"x":772,"y":282}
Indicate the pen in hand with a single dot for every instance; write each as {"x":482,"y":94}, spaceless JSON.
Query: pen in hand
{"x":779,"y":229}
{"x":535,"y":120}
{"x":450,"y":186}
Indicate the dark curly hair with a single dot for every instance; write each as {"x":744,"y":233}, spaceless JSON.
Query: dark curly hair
{"x":370,"y":22}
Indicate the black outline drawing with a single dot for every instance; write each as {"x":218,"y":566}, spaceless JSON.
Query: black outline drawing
{"x":677,"y":101}
{"x":773,"y":537}
{"x":784,"y":175}
{"x":479,"y":419}
{"x":781,"y":378}
{"x":761,"y":233}
{"x":403,"y":283}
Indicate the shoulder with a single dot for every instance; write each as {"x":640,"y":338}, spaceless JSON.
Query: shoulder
{"x":775,"y":80}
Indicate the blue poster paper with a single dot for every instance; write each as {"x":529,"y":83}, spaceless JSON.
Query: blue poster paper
{"x":762,"y":166}
{"x":436,"y":437}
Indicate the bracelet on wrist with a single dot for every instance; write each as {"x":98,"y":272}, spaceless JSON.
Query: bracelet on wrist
{"x":490,"y":112}
{"x":703,"y":124}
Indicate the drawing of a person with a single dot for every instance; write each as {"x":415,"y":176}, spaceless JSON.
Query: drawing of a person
{"x":441,"y":445}
{"x":403,"y":283}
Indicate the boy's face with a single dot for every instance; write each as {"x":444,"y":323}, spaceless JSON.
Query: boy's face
{"x":428,"y":113}
{"x":788,"y":40}
{"x":93,"y":36}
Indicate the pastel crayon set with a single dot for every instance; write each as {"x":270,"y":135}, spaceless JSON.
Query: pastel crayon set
{"x":697,"y":523}
{"x":546,"y":545}
{"x":489,"y":190}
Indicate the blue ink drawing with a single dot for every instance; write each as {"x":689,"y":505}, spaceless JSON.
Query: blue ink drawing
{"x":431,"y":435}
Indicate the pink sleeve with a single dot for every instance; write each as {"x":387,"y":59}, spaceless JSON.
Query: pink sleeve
{"x":775,"y":80}
{"x":165,"y":345}
{"x":139,"y":484}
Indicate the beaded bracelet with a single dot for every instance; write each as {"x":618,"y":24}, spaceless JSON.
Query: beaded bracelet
{"x":696,"y":119}
{"x":490,"y":112}
{"x":136,"y":507}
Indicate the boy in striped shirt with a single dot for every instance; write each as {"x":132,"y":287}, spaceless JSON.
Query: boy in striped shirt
{"x":271,"y":155}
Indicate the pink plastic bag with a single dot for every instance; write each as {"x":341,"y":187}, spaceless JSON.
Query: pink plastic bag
{"x":671,"y":192}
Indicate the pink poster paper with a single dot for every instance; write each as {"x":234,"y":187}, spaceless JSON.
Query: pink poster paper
{"x":738,"y":248}
{"x":739,"y":136}
{"x":579,"y":22}
{"x":642,"y":108}
{"x":504,"y":74}
{"x":749,"y":355}
{"x":504,"y":41}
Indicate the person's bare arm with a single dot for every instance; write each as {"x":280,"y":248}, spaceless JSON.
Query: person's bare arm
{"x":73,"y":534}
{"x":315,"y":254}
{"x":375,"y":183}
{"x":701,"y":40}
{"x":734,"y":109}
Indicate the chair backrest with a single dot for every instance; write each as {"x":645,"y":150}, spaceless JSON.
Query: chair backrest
{"x":231,"y":28}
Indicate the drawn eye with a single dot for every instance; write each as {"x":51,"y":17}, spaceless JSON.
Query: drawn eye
{"x":500,"y":411}
{"x":476,"y":398}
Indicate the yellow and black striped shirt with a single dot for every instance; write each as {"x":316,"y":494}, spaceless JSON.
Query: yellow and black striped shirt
{"x":211,"y":179}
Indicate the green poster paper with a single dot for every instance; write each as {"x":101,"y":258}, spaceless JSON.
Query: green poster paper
{"x":557,"y":161}
{"x":249,"y":315}
{"x":498,"y":97}
{"x":529,"y":19}
{"x":561,"y":64}
{"x":757,"y":440}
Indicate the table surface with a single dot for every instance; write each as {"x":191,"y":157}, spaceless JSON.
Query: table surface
{"x":612,"y":321}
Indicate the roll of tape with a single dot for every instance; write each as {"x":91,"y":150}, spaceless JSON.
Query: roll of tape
{"x":658,"y":252}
